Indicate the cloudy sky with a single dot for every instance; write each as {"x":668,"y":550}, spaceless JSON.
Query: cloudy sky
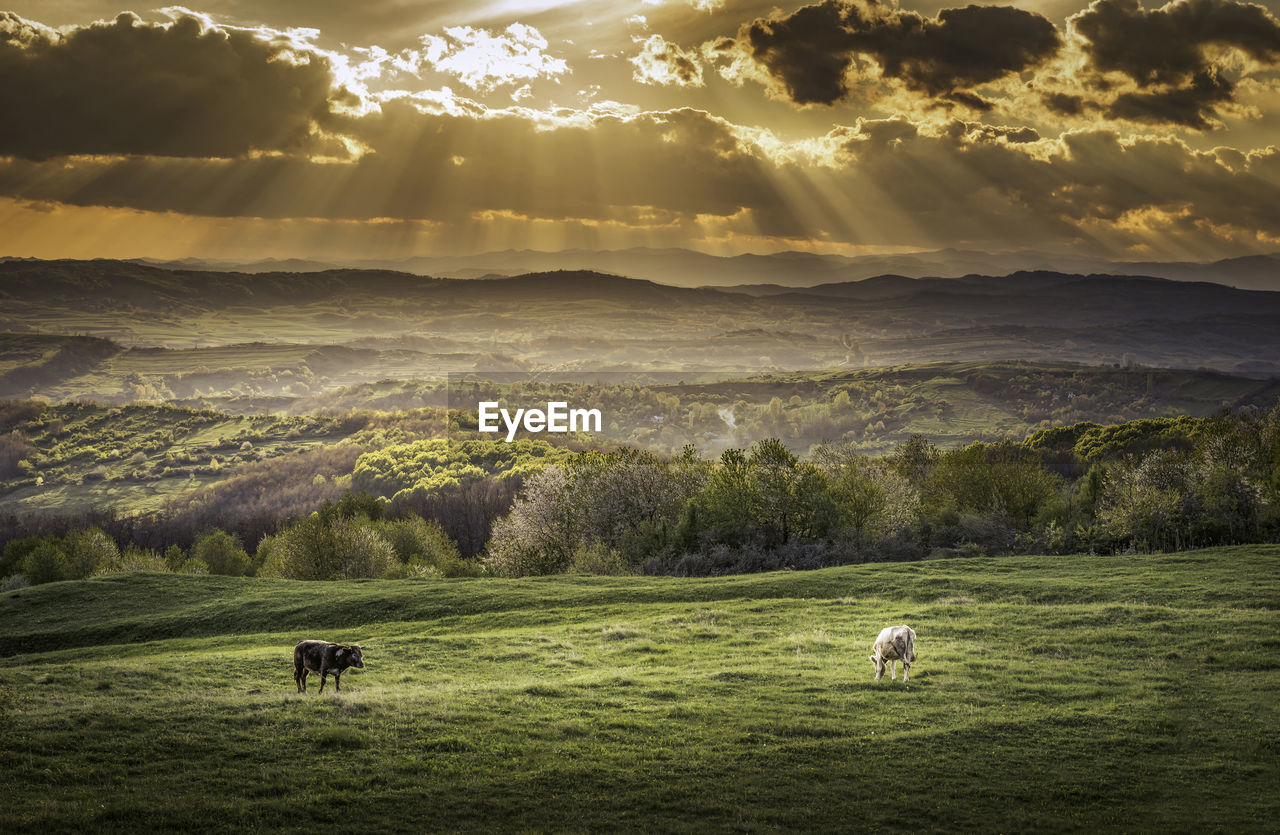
{"x":387,"y":128}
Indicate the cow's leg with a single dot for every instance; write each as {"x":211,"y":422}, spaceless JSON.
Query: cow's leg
{"x":337,"y":681}
{"x":893,"y":670}
{"x":906,"y":670}
{"x":323,"y":675}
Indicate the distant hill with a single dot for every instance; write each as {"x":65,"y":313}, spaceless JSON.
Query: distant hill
{"x":784,"y":269}
{"x":420,"y":326}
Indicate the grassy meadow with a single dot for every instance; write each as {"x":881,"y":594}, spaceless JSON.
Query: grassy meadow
{"x":1050,"y":692}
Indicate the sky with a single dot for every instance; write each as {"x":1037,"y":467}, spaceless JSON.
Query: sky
{"x":382,"y":129}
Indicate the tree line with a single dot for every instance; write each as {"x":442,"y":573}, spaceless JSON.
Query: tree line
{"x":1160,"y":484}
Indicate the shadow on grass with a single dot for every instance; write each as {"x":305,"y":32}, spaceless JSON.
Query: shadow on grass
{"x":921,"y":681}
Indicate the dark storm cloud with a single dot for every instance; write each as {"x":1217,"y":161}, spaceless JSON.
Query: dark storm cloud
{"x":1189,"y":106}
{"x":811,"y":51}
{"x":145,"y":109}
{"x":1064,"y":104}
{"x":179,"y":89}
{"x":1090,"y":183}
{"x":1173,"y":54}
{"x":1168,"y":45}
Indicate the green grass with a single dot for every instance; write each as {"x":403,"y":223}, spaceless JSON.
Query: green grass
{"x":135,"y":458}
{"x":136,"y":497}
{"x":1050,"y":693}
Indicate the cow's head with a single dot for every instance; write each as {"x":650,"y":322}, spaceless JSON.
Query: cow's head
{"x":351,"y":655}
{"x":878,"y":663}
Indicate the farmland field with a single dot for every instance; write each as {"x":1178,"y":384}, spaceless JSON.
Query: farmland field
{"x":1050,"y":692}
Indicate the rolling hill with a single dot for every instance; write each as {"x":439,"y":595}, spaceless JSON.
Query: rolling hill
{"x":1050,"y":693}
{"x":586,"y":320}
{"x":791,"y":269}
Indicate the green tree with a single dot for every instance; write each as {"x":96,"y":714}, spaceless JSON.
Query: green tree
{"x":915,"y":459}
{"x":46,"y":563}
{"x":418,"y":541}
{"x":790,"y":497}
{"x":986,"y":479}
{"x":873,"y":498}
{"x":88,"y":551}
{"x":174,"y":557}
{"x":727,"y":502}
{"x":360,"y":549}
{"x":1143,"y":500}
{"x":222,"y":553}
{"x":542,"y":532}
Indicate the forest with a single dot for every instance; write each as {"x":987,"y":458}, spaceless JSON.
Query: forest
{"x":323,"y":425}
{"x":434,"y":508}
{"x":60,"y":457}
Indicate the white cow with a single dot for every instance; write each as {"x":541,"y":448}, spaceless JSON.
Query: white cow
{"x":895,"y":643}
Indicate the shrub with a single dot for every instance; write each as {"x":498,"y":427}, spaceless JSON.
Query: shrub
{"x":14,"y":448}
{"x":598,"y":558}
{"x":13,"y":582}
{"x":222,"y":554}
{"x":133,"y":559}
{"x":415,"y":539}
{"x":88,"y":552}
{"x":540,"y":534}
{"x":317,"y":548}
{"x":45,"y":564}
{"x":361,"y":550}
{"x":455,"y":566}
{"x":15,"y":552}
{"x":175,"y":556}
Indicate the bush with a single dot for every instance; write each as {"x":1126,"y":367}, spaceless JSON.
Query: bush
{"x":134,"y":559}
{"x":222,"y":554}
{"x":14,"y":448}
{"x":175,"y":557}
{"x":416,"y":540}
{"x":88,"y":552}
{"x":361,"y":550}
{"x":455,"y":566}
{"x":193,"y":566}
{"x":13,"y":582}
{"x":142,"y":559}
{"x":316,"y":548}
{"x":599,"y":559}
{"x":540,"y":534}
{"x":45,"y":564}
{"x":16,"y":550}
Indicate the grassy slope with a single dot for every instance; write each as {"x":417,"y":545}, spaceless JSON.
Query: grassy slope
{"x":1050,"y":692}
{"x":97,"y":437}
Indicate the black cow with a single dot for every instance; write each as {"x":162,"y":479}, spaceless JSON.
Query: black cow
{"x":323,"y":657}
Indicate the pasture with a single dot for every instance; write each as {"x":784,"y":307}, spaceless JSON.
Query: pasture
{"x":1055,"y":693}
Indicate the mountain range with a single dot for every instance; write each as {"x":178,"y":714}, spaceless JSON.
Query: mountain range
{"x":576,"y":319}
{"x":773,"y":271}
